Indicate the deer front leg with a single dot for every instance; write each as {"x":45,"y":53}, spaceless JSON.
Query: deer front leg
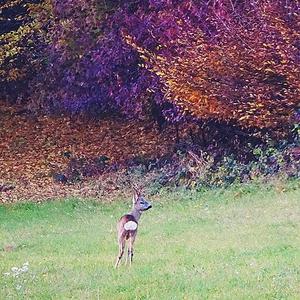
{"x":121,"y":251}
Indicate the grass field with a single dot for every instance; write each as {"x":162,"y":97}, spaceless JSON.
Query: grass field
{"x":239,"y":243}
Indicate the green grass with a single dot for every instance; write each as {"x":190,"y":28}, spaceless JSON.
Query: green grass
{"x":239,"y":243}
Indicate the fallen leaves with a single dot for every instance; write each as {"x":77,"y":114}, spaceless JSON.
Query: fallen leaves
{"x":32,"y":149}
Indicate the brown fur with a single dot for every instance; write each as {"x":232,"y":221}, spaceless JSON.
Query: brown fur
{"x":139,"y":205}
{"x":126,"y":233}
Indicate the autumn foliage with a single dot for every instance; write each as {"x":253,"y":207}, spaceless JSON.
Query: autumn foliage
{"x":90,"y":69}
{"x":23,"y":37}
{"x":230,"y":61}
{"x":169,"y":92}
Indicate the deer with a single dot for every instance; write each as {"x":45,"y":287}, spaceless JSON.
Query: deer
{"x":127,"y":226}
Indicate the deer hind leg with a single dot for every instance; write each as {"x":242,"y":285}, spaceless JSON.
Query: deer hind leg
{"x":130,"y":248}
{"x":121,"y":251}
{"x":127,"y":256}
{"x":128,"y":252}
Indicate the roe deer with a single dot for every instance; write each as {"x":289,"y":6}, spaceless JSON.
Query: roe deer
{"x":128,"y":224}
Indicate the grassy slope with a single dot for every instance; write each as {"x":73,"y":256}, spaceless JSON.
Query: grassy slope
{"x":242,"y":243}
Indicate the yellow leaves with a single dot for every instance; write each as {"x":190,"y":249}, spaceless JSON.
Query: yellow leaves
{"x":13,"y":44}
{"x":160,"y":73}
{"x":268,"y":70}
{"x":160,"y":58}
{"x":15,"y":36}
{"x":15,"y":73}
{"x":170,"y":82}
{"x":9,"y":4}
{"x":269,"y":63}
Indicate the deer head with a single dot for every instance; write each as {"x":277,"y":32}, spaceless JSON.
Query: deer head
{"x":139,"y":203}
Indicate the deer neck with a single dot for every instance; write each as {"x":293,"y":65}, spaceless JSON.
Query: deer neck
{"x":136,"y":213}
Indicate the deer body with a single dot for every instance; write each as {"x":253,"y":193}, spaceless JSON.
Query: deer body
{"x":128,"y":225}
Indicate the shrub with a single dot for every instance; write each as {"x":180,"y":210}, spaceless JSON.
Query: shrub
{"x":230,"y":61}
{"x":23,"y":38}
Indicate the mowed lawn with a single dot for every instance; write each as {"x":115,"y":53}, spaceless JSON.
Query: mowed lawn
{"x":239,"y":243}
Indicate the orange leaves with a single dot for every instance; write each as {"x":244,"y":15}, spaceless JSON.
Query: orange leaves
{"x":31,"y":150}
{"x":248,"y":75}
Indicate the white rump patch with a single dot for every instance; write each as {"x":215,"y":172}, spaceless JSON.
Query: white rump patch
{"x":130,"y":225}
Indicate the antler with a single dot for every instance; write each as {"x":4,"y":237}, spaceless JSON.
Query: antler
{"x":135,"y":188}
